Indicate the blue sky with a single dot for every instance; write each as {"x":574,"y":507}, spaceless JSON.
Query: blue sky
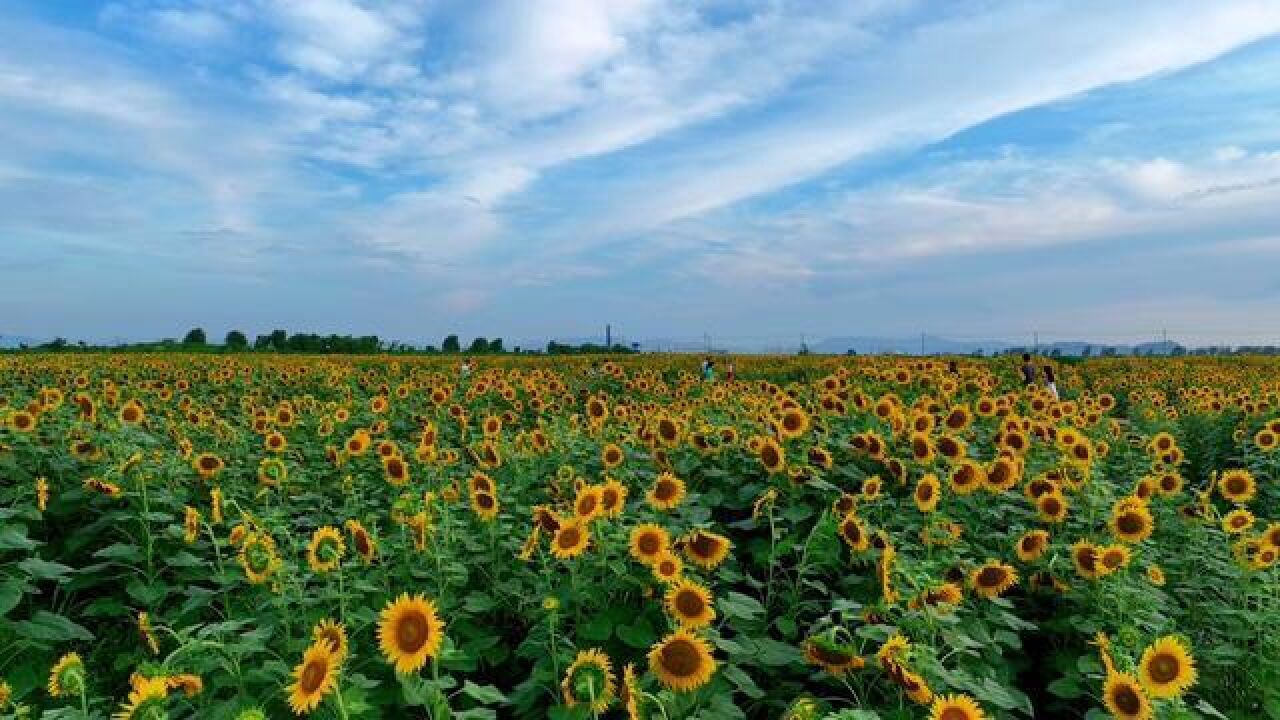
{"x":533,"y":169}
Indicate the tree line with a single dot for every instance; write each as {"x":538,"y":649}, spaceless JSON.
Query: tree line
{"x":280,"y":341}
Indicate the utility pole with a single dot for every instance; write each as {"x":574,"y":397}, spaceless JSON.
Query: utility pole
{"x":608,"y":336}
{"x":921,"y":343}
{"x":706,"y":341}
{"x":1035,"y":348}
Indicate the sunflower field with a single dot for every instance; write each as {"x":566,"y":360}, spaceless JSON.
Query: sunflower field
{"x":270,"y":536}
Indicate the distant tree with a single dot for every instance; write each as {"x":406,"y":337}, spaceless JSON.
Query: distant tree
{"x":236,"y":340}
{"x":195,"y":337}
{"x":479,"y":345}
{"x":495,"y":345}
{"x":451,"y":345}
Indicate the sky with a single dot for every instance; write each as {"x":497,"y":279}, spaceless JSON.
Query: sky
{"x":756,"y":170}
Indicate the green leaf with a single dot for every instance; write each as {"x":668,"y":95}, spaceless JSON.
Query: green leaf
{"x":14,"y":537}
{"x":640,"y":635}
{"x":43,"y":569}
{"x":121,"y":552}
{"x":743,"y":682}
{"x":49,"y":627}
{"x":10,"y":595}
{"x":1066,"y":687}
{"x":743,"y":607}
{"x":483,"y":694}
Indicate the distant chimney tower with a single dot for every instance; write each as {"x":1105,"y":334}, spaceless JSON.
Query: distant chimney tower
{"x":608,"y":336}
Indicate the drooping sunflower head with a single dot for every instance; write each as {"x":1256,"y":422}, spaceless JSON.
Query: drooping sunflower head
{"x":833,"y":657}
{"x":705,"y":548}
{"x":690,"y":604}
{"x":993,"y":579}
{"x":854,"y":533}
{"x":67,"y":677}
{"x":589,"y":681}
{"x":146,"y":700}
{"x":313,"y":678}
{"x":1032,"y":545}
{"x":333,"y":633}
{"x":362,"y":541}
{"x":258,"y":557}
{"x":410,"y":632}
{"x":682,"y":661}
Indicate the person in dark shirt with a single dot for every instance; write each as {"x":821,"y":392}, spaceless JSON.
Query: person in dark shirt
{"x":1028,"y":370}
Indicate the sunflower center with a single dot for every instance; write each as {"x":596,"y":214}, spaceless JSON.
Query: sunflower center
{"x":569,"y":538}
{"x":313,"y":674}
{"x":649,"y":544}
{"x":991,"y":577}
{"x":665,"y":490}
{"x":1164,"y":668}
{"x":953,"y":713}
{"x":689,"y":603}
{"x":1126,"y":698}
{"x":412,"y":633}
{"x":680,"y":658}
{"x":1129,"y":523}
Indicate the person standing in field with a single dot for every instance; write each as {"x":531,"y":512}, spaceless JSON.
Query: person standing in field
{"x":708,"y":370}
{"x":1028,"y":371}
{"x":1050,"y":382}
{"x":729,"y":374}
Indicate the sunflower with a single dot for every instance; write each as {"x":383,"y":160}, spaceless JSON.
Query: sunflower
{"x":629,"y":692}
{"x":667,"y":568}
{"x":146,"y":700}
{"x":1266,"y":439}
{"x":705,"y":549}
{"x":667,"y":492}
{"x":613,"y":497}
{"x":145,"y":633}
{"x":682,"y":661}
{"x":67,"y":677}
{"x":927,"y":492}
{"x":485,"y":505}
{"x":1131,"y":522}
{"x":993,"y":579}
{"x":968,"y":477}
{"x":854,"y":533}
{"x":690,"y":604}
{"x":833,"y":657}
{"x":395,"y":469}
{"x":648,"y":542}
{"x":275,"y":442}
{"x":325,"y":551}
{"x":1124,"y":697}
{"x":1156,"y":575}
{"x":611,"y":456}
{"x":132,"y":413}
{"x":793,"y":423}
{"x":771,"y":456}
{"x":272,"y":471}
{"x":1052,"y":507}
{"x":313,"y":678}
{"x":1167,"y":668}
{"x":207,"y":465}
{"x":191,"y":685}
{"x":333,"y":633}
{"x":258,"y":557}
{"x":588,"y":505}
{"x":1032,"y":545}
{"x":190,"y":525}
{"x":1237,"y":521}
{"x":955,"y":707}
{"x":410,"y":632}
{"x":1237,"y":486}
{"x":1087,"y":559}
{"x":362,"y":541}
{"x":589,"y":681}
{"x":1114,"y":557}
{"x":570,"y":539}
